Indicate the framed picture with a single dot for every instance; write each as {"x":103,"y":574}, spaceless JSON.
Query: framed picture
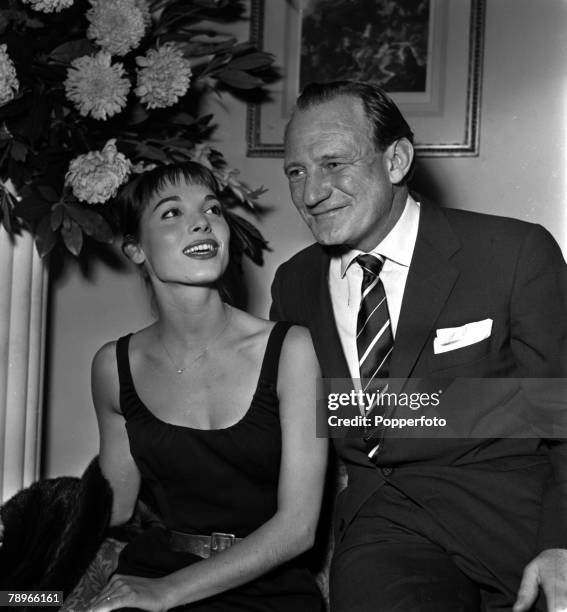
{"x":427,"y":54}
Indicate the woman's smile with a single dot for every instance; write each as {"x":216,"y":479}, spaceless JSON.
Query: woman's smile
{"x":202,"y":249}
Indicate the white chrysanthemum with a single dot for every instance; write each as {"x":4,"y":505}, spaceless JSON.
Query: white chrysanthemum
{"x":8,"y":80}
{"x":49,"y":6}
{"x":145,"y":8}
{"x":96,"y":87}
{"x":96,"y":176}
{"x":163,"y":77}
{"x":117,"y":26}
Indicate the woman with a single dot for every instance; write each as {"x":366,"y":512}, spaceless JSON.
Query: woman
{"x":210,"y":412}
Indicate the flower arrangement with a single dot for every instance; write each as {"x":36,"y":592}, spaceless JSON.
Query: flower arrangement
{"x":93,"y":91}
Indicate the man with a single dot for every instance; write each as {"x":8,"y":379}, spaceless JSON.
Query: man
{"x":426,"y":523}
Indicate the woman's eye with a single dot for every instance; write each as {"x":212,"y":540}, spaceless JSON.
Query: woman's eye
{"x":170,"y":213}
{"x":214,"y":210}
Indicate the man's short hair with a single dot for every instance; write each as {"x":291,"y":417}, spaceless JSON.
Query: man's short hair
{"x":387,"y":121}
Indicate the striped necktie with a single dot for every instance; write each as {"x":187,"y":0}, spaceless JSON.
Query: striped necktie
{"x":374,"y":339}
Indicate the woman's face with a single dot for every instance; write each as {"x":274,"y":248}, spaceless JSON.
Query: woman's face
{"x":184,"y":236}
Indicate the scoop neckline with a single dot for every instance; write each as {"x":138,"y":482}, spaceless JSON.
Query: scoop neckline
{"x":188,"y":427}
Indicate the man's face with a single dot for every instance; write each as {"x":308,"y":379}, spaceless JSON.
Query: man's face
{"x":342,"y":186}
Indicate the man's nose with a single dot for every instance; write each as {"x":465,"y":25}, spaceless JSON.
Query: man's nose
{"x":317,"y":189}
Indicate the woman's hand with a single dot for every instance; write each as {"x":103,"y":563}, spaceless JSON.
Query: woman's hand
{"x":130,"y":592}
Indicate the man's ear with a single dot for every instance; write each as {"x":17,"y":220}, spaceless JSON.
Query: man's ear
{"x":400,"y":157}
{"x":133,"y":251}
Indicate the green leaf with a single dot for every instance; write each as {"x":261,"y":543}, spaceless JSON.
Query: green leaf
{"x":7,"y":223}
{"x":150,"y":153}
{"x":137,"y":115}
{"x":31,"y":208}
{"x":18,"y":151}
{"x":199,"y":44}
{"x":45,"y":237}
{"x":243,"y":47}
{"x":251,"y":61}
{"x":254,"y":194}
{"x":48,"y":193}
{"x":215,"y":63}
{"x":72,"y":237}
{"x":179,"y":143}
{"x":57,"y":214}
{"x":32,"y":22}
{"x":69,"y":51}
{"x":246,"y":238}
{"x":204,"y":121}
{"x":239,"y":79}
{"x":184,"y":119}
{"x":91,"y":222}
{"x":6,"y":204}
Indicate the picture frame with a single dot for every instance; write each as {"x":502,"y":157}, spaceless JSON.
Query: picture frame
{"x":444,"y":114}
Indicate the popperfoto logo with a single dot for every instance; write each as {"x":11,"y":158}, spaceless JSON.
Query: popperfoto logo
{"x":379,"y":420}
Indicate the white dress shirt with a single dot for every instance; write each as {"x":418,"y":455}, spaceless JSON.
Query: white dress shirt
{"x":345,"y":280}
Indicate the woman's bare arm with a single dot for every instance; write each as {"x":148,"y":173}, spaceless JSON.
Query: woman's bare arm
{"x":115,"y":459}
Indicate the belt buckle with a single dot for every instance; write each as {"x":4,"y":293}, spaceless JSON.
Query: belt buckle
{"x":221,"y":541}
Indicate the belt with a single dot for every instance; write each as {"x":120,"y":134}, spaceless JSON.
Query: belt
{"x":202,"y":545}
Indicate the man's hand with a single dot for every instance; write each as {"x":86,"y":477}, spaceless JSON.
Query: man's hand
{"x":548,"y":570}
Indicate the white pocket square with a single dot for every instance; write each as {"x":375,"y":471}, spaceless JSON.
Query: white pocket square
{"x":452,"y":338}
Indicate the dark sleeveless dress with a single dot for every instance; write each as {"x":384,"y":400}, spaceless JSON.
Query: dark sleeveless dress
{"x":201,"y":481}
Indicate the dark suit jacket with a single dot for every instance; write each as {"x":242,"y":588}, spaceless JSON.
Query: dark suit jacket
{"x":466,"y":267}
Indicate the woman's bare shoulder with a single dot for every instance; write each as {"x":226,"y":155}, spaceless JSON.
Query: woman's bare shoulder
{"x":298,"y":345}
{"x":104,"y":361}
{"x":104,"y":379}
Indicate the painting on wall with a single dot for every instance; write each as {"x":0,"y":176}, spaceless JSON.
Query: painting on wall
{"x":427,"y":54}
{"x":378,"y":41}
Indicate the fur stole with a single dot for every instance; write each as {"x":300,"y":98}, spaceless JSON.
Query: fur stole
{"x":53,"y":530}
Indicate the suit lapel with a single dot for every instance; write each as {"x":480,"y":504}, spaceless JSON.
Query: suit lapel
{"x":430,"y":280}
{"x":323,"y":325}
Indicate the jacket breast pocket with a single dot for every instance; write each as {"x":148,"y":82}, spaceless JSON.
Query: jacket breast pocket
{"x":460,"y":357}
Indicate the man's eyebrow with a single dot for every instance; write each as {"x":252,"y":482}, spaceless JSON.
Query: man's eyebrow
{"x":164,"y":200}
{"x":322,"y":159}
{"x":329,"y":156}
{"x":289,"y":165}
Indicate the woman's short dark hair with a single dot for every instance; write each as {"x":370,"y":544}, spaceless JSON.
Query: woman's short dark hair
{"x":387,"y":121}
{"x":135,"y":195}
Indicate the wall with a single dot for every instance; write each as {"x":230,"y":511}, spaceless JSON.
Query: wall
{"x":520,"y":172}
